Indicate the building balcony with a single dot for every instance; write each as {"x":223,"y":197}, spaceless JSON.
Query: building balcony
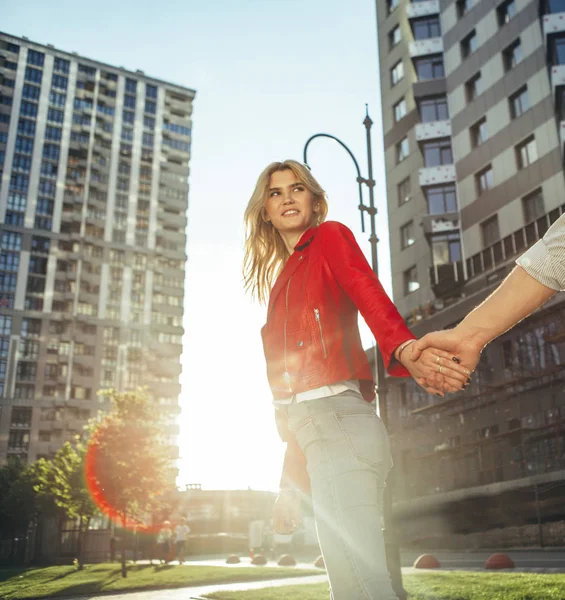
{"x":433,"y":130}
{"x":422,"y":9}
{"x":165,"y":217}
{"x":425,"y":47}
{"x":437,"y":175}
{"x":444,"y":223}
{"x":175,"y":203}
{"x":448,"y":279}
{"x":553,"y":23}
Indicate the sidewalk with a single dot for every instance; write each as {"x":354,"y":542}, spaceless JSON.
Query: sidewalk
{"x":198,"y":591}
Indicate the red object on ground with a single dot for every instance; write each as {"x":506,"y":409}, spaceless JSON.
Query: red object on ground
{"x":426,"y":561}
{"x":499,"y":561}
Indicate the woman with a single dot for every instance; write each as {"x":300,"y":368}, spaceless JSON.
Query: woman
{"x":321,"y":381}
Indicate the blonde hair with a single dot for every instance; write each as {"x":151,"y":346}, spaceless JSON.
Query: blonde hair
{"x":265,"y":251}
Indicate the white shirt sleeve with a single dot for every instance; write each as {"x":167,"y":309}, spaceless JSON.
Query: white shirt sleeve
{"x":545,"y":260}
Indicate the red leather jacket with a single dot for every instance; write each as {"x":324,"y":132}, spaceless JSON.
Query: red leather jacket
{"x":311,"y":337}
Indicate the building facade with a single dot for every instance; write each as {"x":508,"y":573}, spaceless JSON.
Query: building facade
{"x":94,"y":164}
{"x":472,"y":98}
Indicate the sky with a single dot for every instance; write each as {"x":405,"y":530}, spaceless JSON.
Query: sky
{"x":268,"y":74}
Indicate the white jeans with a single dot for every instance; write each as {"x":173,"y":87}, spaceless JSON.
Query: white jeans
{"x":348,"y":458}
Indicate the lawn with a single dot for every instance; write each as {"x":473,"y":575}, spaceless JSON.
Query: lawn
{"x":32,"y":583}
{"x":436,"y":585}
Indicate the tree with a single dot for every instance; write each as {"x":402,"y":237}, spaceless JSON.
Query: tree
{"x":62,"y":480}
{"x":18,"y":503}
{"x":128,"y":461}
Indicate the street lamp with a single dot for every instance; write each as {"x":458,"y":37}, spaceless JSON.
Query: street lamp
{"x":392,"y":551}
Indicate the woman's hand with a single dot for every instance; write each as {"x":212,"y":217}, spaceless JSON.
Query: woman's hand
{"x":286,"y":512}
{"x":436,"y":371}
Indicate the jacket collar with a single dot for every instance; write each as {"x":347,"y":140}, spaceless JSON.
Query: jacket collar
{"x":293,"y":262}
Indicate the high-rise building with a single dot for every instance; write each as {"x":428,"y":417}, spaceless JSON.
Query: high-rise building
{"x":93,"y":201}
{"x":473,"y":110}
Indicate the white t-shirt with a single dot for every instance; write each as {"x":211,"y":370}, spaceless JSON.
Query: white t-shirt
{"x":181,"y":532}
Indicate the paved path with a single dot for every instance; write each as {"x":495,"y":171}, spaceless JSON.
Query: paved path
{"x":533,"y":561}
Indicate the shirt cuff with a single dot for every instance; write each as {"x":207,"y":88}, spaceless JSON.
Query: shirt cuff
{"x":537,"y":263}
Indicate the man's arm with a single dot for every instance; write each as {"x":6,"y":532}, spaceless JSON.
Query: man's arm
{"x":517,"y":297}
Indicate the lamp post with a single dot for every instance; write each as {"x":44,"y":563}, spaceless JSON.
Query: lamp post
{"x":392,"y":551}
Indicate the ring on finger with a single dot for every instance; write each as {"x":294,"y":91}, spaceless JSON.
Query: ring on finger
{"x":438,"y":360}
{"x":439,"y":368}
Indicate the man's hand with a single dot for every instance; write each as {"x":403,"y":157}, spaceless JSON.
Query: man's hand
{"x":463,"y":347}
{"x":286,"y":512}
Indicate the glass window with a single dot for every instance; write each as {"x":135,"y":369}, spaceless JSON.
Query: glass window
{"x":474,"y":87}
{"x":490,"y":231}
{"x":404,"y":191}
{"x":129,"y":101}
{"x":57,"y":99}
{"x":394,"y":36}
{"x":397,"y":73}
{"x":519,"y":103}
{"x":446,"y":248}
{"x":557,"y":49}
{"x":437,"y":152}
{"x":441,"y":199}
{"x":40,"y":244}
{"x":57,"y":116}
{"x":479,"y":133}
{"x":400,"y":110}
{"x":425,"y":28}
{"x":33,"y":75}
{"x":505,"y":12}
{"x":58,"y":81}
{"x":513,"y":55}
{"x":61,"y":65}
{"x":53,"y":133}
{"x":150,"y":107}
{"x":469,"y":44}
{"x":429,"y":67}
{"x":402,"y":150}
{"x":526,"y":152}
{"x":411,"y":283}
{"x":533,"y":206}
{"x":35,"y":58}
{"x":5,"y":325}
{"x":463,"y":7}
{"x":407,"y":235}
{"x":131,"y":86}
{"x":128,"y":116}
{"x":150,"y":92}
{"x":31,"y":92}
{"x":484,"y":180}
{"x":28,"y":109}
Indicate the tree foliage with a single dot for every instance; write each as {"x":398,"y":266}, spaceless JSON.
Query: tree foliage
{"x":128,"y":462}
{"x":62,"y":481}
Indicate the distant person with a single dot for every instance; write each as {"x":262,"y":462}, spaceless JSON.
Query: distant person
{"x":539,"y":275}
{"x":181,"y":535}
{"x":317,"y":280}
{"x":164,"y":541}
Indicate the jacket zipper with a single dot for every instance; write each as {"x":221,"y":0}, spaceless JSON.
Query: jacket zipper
{"x":317,"y":315}
{"x":286,"y":373}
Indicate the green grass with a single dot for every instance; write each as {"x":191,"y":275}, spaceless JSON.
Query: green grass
{"x":442,"y":585}
{"x":31,"y":583}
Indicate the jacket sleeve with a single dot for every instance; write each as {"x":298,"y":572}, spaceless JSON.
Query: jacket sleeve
{"x":294,"y":473}
{"x":355,"y":276}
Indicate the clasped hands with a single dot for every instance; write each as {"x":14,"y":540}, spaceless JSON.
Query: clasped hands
{"x":442,"y":361}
